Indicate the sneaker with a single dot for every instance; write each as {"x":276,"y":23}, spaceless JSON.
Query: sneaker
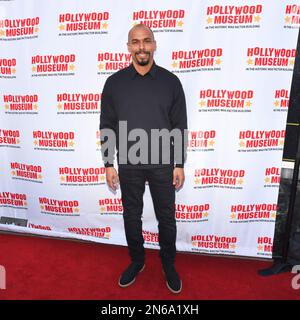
{"x":128,"y":276}
{"x":174,"y":283}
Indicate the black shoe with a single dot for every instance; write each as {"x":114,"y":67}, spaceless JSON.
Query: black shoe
{"x":128,"y":276}
{"x":174,"y":283}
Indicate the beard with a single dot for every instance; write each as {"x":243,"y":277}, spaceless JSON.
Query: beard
{"x":142,"y":61}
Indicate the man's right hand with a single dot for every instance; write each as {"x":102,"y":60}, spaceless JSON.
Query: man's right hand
{"x":112,"y":178}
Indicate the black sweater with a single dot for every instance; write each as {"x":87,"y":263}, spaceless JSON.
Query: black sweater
{"x":153,"y":101}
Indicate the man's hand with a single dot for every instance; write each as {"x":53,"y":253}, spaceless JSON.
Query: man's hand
{"x":178,"y":178}
{"x":112,"y":178}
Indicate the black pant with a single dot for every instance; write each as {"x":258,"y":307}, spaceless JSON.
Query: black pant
{"x":132,"y":183}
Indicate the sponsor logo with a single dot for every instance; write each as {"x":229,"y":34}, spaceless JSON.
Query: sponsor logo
{"x":111,"y":206}
{"x":262,"y":212}
{"x":270,"y":59}
{"x":196,"y":60}
{"x":81,"y":176}
{"x":18,"y":29}
{"x":103,"y":233}
{"x":53,"y":141}
{"x":10,"y":138}
{"x":38,"y":226}
{"x":292,"y":16}
{"x":13,"y":200}
{"x":160,"y":20}
{"x":110,"y":62}
{"x":282,"y":99}
{"x":223,"y":100}
{"x":151,"y":238}
{"x":192,"y":213}
{"x":98,"y":141}
{"x":59,"y":207}
{"x":78,"y":103}
{"x":83,"y":23}
{"x":264,"y":246}
{"x":21,"y":104}
{"x":219,"y":178}
{"x":214,"y":243}
{"x":201,"y":140}
{"x":26,"y":172}
{"x":8,"y":68}
{"x":272,"y":177}
{"x":233,"y":17}
{"x":53,"y":65}
{"x":261,"y":140}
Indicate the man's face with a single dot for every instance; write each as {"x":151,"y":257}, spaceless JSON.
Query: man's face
{"x":141,"y":45}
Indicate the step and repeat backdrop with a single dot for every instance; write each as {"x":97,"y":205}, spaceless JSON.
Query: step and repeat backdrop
{"x":235,"y":60}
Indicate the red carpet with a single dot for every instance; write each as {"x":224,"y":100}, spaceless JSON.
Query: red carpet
{"x":45,"y":268}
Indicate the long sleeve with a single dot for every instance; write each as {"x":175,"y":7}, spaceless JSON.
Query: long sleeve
{"x":108,"y":120}
{"x":178,"y":117}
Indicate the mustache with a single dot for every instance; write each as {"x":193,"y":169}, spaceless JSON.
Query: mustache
{"x":145,"y":52}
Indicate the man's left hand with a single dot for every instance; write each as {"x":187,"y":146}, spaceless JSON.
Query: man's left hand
{"x":178,"y":178}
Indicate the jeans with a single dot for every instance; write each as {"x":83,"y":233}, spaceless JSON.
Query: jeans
{"x":132,"y":184}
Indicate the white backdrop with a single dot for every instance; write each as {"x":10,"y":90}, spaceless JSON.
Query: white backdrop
{"x":235,"y":61}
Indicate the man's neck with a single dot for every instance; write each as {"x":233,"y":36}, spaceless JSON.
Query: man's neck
{"x":142,"y":70}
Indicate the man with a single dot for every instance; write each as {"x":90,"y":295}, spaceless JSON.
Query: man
{"x":145,"y":97}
